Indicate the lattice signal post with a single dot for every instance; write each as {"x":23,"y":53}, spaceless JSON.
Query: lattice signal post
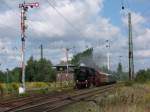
{"x":131,"y":58}
{"x":24,"y":8}
{"x":130,"y":42}
{"x":108,"y":54}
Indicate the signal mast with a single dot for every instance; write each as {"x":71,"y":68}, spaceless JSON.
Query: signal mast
{"x":108,"y":54}
{"x":130,"y":42}
{"x":24,"y":8}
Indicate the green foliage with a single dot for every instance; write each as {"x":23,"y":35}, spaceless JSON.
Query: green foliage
{"x":143,"y":76}
{"x":31,"y":85}
{"x":147,"y":98}
{"x":104,"y":69}
{"x":39,"y":70}
{"x":15,"y":86}
{"x":41,"y":91}
{"x":120,"y":74}
{"x":81,"y":56}
{"x":31,"y":69}
{"x":36,"y":70}
{"x":14,"y":75}
{"x":128,"y":83}
{"x":2,"y":76}
{"x":24,"y":95}
{"x":119,"y":69}
{"x":1,"y":90}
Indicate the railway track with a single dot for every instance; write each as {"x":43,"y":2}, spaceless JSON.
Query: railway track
{"x":52,"y":103}
{"x":9,"y":105}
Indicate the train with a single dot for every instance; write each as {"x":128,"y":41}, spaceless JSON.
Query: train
{"x":83,"y":76}
{"x":86,"y":77}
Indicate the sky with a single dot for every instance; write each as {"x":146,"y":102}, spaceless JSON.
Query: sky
{"x":77,"y":25}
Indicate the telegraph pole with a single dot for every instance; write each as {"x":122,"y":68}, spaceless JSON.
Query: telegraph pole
{"x":41,"y":51}
{"x":24,"y":8}
{"x":131,"y":61}
{"x":120,"y":59}
{"x":108,"y":54}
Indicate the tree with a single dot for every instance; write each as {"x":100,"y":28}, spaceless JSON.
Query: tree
{"x":40,"y":70}
{"x":44,"y":71}
{"x":14,"y":75}
{"x":31,"y":69}
{"x":83,"y":57}
{"x":2,"y":77}
{"x":120,"y":74}
{"x":119,"y":69}
{"x":143,"y":76}
{"x":104,"y":69}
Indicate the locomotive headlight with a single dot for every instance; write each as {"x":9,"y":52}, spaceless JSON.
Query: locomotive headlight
{"x":77,"y":80}
{"x":85,"y":80}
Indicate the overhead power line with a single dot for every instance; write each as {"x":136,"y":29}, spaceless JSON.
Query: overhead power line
{"x":60,"y":14}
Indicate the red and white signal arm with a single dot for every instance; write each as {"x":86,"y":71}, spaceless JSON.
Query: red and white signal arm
{"x":36,"y":4}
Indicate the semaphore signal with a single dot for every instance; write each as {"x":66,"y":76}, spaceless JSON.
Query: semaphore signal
{"x":24,"y":8}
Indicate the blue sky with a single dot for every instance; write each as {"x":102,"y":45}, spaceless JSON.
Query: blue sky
{"x":112,"y":9}
{"x":93,"y":22}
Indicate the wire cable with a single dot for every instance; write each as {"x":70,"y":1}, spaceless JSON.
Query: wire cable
{"x":66,"y":20}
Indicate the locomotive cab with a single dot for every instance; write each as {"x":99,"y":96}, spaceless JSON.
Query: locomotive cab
{"x":84,"y":77}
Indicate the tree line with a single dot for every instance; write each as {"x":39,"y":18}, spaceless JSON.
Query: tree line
{"x":143,"y":76}
{"x":42,"y":70}
{"x":36,"y":71}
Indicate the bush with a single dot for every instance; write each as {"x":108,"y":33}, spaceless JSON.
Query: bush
{"x":41,"y":91}
{"x":39,"y":84}
{"x":11,"y":87}
{"x":24,"y":95}
{"x":15,"y":87}
{"x":36,"y":85}
{"x":1,"y":90}
{"x":129,"y":83}
{"x":143,"y":76}
{"x":147,"y":98}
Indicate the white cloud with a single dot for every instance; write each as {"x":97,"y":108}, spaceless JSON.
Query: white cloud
{"x":102,"y":29}
{"x":8,"y":19}
{"x":143,"y":54}
{"x":46,"y":22}
{"x":87,"y":27}
{"x":142,"y":40}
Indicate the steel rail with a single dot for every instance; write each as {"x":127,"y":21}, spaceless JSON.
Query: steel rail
{"x":56,"y":103}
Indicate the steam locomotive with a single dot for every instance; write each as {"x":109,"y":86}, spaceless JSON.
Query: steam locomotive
{"x":86,"y":77}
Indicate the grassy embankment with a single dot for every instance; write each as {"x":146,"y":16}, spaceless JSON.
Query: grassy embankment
{"x":126,"y":98}
{"x":33,"y":87}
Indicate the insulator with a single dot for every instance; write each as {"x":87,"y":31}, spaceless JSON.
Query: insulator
{"x":122,"y":7}
{"x":25,"y":18}
{"x":22,"y":39}
{"x":25,"y":8}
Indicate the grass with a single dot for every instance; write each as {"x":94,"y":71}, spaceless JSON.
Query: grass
{"x":125,"y":98}
{"x":11,"y":89}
